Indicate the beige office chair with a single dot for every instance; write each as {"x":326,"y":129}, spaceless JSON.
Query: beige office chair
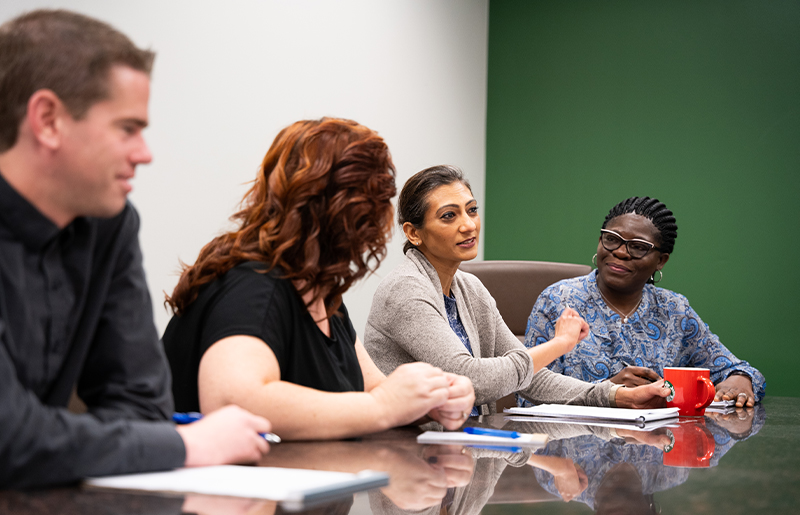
{"x":515,"y":286}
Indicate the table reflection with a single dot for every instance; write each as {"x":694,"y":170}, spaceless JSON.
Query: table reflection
{"x":618,"y":471}
{"x":609,"y":470}
{"x":419,"y":476}
{"x":468,"y":497}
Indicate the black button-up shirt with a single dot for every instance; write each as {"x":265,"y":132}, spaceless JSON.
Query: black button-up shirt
{"x":75,"y":309}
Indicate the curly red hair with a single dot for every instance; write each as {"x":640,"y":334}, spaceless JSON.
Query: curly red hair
{"x":319,"y":210}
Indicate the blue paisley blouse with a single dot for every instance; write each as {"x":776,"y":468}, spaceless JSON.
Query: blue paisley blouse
{"x":663,"y":332}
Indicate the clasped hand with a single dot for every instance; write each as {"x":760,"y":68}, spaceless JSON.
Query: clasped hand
{"x":416,"y":389}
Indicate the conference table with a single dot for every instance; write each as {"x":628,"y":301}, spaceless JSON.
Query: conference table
{"x":746,"y":461}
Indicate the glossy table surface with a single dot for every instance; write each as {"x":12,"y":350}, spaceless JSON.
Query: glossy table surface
{"x":744,"y":462}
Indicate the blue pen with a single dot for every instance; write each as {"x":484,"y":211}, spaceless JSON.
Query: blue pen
{"x":193,"y":416}
{"x":498,"y":448}
{"x":491,"y":432}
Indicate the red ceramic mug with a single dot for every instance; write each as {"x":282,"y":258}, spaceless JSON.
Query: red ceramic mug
{"x":692,"y":390}
{"x":693,"y":445}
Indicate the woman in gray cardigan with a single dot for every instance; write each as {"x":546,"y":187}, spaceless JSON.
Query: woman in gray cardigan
{"x":428,"y":310}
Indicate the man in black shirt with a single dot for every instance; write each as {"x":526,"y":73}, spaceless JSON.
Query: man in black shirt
{"x":74,"y":306}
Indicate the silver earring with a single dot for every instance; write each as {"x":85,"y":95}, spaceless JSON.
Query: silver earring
{"x":594,"y":260}
{"x":660,"y":276}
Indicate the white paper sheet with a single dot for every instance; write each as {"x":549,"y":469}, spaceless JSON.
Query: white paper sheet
{"x":276,"y":484}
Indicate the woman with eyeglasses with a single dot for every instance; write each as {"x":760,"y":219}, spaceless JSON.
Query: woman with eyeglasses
{"x":428,"y":310}
{"x":637,"y":329}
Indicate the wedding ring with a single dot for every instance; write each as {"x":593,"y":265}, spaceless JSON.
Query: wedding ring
{"x":742,"y":394}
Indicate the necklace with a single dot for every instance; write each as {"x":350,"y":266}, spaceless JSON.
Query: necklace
{"x":624,"y":316}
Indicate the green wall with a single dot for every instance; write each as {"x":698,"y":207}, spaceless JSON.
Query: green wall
{"x":696,"y":103}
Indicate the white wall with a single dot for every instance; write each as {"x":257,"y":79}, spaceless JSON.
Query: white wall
{"x":230,"y":75}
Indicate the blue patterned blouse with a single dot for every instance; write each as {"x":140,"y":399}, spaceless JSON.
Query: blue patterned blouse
{"x":663,"y":332}
{"x":458,"y":328}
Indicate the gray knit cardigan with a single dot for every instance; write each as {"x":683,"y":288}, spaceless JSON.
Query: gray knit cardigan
{"x":408,"y":322}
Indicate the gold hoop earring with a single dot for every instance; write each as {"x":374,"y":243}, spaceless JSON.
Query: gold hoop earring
{"x":594,"y":260}
{"x":660,"y":276}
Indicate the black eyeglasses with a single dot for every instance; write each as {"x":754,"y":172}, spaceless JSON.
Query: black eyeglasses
{"x":637,"y":248}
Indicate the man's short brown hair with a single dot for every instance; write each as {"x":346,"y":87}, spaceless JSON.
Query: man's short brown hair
{"x":65,"y":52}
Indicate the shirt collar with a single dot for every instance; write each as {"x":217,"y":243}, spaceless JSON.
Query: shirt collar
{"x":23,"y":220}
{"x":649,"y":299}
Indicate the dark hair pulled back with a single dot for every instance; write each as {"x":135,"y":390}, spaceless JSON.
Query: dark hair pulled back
{"x":413,"y":202}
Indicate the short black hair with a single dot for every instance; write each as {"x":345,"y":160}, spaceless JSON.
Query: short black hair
{"x":655,"y":211}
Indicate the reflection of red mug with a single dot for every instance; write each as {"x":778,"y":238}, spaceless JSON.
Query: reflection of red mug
{"x":692,"y":390}
{"x":693,"y":445}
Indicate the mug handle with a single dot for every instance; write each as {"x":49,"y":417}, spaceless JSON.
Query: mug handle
{"x":707,"y":443}
{"x":710,"y":392}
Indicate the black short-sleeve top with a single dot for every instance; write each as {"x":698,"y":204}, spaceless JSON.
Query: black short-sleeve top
{"x":247,"y":301}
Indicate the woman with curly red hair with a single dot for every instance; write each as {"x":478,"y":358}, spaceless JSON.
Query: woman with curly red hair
{"x":259,"y":319}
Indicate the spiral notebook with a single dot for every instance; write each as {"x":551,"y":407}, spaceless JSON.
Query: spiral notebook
{"x":596,"y":415}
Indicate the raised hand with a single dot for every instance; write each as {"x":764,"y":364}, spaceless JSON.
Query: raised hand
{"x":572,"y":328}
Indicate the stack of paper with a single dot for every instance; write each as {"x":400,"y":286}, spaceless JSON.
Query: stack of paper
{"x":723,"y":407}
{"x":612,"y":417}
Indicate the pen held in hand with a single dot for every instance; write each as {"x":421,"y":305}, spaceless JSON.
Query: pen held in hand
{"x":643,"y":377}
{"x":193,"y":416}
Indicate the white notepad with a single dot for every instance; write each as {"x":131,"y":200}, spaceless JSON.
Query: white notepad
{"x":526,"y":440}
{"x":294,"y":487}
{"x":592,"y":414}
